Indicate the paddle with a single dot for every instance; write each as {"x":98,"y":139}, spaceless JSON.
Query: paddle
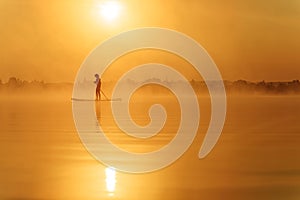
{"x":107,"y":99}
{"x":104,"y":95}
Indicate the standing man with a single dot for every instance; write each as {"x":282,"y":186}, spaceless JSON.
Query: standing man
{"x":98,"y":88}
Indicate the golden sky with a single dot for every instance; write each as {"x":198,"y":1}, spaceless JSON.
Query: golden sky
{"x":251,"y":39}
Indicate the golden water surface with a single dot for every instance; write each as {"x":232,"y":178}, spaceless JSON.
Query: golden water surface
{"x":256,"y":157}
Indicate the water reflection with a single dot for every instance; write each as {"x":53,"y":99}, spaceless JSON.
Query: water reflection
{"x":110,"y":180}
{"x":98,"y":110}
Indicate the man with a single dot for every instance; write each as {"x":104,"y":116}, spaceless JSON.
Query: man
{"x":98,"y":88}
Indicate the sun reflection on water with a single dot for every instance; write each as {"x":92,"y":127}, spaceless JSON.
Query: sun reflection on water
{"x":110,"y":180}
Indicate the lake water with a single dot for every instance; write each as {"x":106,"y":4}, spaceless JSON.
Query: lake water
{"x":256,"y":157}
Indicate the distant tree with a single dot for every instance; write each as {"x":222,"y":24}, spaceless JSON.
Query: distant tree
{"x":12,"y":82}
{"x":282,"y":87}
{"x":240,"y":85}
{"x":241,"y":82}
{"x":295,"y":86}
{"x":193,"y":83}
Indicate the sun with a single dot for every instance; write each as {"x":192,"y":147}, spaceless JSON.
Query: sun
{"x":110,"y":10}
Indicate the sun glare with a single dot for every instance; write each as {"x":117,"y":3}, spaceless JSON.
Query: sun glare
{"x":110,"y":10}
{"x":110,"y":180}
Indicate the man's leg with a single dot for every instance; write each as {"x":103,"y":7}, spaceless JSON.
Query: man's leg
{"x":97,"y":94}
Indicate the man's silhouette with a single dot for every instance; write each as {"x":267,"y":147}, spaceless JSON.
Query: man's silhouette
{"x":98,"y":88}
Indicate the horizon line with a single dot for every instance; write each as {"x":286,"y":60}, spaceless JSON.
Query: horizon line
{"x":224,"y":80}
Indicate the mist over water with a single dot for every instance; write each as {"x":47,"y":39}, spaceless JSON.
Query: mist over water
{"x":42,"y":156}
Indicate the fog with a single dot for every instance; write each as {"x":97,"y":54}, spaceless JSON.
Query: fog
{"x":16,"y":88}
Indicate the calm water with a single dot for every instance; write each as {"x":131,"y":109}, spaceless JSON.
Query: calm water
{"x":257,"y":156}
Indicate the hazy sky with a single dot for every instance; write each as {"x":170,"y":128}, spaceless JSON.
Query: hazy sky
{"x":251,"y":39}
